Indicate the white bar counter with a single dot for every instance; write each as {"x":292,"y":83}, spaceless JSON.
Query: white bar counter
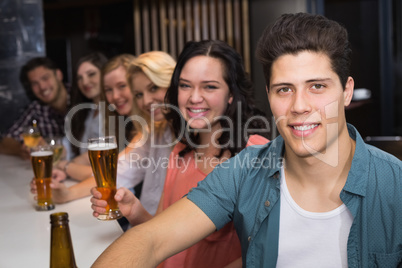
{"x":25,"y":232}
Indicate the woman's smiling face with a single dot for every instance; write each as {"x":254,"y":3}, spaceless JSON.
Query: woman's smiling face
{"x":118,"y":92}
{"x":148,"y":96}
{"x":88,"y":80}
{"x":203,"y":94}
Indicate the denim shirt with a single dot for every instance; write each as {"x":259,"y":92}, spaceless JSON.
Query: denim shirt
{"x":246,"y":189}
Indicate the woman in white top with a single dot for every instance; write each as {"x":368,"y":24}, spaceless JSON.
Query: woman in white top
{"x":145,"y":159}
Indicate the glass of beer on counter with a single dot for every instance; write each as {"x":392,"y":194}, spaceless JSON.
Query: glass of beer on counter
{"x":31,"y":135}
{"x":42,"y":163}
{"x":103,"y":155}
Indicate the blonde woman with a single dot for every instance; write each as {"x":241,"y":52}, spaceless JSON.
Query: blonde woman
{"x":146,"y":158}
{"x":119,"y":98}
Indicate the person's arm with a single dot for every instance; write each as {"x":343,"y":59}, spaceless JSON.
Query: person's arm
{"x":82,"y":159}
{"x":75,"y":171}
{"x":63,"y":194}
{"x":12,"y":146}
{"x":146,"y":245}
{"x":78,"y":168}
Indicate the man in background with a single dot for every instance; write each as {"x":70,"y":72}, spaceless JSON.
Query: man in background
{"x":43,"y":83}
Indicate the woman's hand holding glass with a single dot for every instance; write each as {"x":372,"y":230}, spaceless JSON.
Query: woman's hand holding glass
{"x":128,"y":203}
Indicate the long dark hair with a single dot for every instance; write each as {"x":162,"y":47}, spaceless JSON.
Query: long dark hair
{"x":240,"y":88}
{"x":78,"y":120}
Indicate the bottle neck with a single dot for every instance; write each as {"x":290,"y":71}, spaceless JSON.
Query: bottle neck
{"x":61,"y":247}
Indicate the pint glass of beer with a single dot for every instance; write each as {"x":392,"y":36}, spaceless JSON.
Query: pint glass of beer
{"x":103,"y":155}
{"x":42,"y":163}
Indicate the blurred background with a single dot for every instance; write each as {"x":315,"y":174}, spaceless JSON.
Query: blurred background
{"x":65,"y":30}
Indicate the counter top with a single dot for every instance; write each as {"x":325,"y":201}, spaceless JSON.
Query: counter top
{"x":25,"y":232}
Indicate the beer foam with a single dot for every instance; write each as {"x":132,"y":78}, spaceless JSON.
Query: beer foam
{"x":42,"y":153}
{"x":102,"y":146}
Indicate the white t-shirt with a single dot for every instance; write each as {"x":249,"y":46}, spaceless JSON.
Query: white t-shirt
{"x":311,"y":239}
{"x":147,"y":163}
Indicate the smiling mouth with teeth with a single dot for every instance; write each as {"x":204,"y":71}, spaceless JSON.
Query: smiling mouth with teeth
{"x":305,"y":127}
{"x":197,"y":110}
{"x":46,"y":92}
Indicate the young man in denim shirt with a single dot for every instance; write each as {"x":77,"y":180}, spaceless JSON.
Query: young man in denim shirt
{"x":316,"y":196}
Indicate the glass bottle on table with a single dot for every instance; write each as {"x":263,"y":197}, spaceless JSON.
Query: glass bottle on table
{"x":61,"y":247}
{"x":31,"y":135}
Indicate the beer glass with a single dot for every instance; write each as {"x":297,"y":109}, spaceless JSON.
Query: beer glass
{"x":31,"y":135}
{"x":56,"y":144}
{"x":42,"y":163}
{"x":103,"y":155}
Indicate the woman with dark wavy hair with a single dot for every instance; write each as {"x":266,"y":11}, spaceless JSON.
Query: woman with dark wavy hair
{"x":209,"y":104}
{"x":239,"y":111}
{"x":85,"y":123}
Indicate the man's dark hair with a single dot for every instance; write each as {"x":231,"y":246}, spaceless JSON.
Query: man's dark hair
{"x":293,"y":33}
{"x":31,"y":65}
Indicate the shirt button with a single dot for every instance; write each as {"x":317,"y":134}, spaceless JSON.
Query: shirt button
{"x":249,"y":238}
{"x":267,"y":203}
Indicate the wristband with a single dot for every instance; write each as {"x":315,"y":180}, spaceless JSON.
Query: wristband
{"x":65,"y":167}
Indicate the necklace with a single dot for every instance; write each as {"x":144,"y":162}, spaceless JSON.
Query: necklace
{"x":197,"y":155}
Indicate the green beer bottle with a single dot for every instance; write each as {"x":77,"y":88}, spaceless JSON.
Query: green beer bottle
{"x":61,"y":247}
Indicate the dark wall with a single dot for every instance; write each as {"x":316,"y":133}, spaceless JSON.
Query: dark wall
{"x":361,"y":19}
{"x":75,"y":28}
{"x":22,"y":38}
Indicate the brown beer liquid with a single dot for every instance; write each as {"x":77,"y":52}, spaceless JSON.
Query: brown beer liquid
{"x":104,"y":167}
{"x":44,"y":191}
{"x":61,"y":247}
{"x":31,"y":140}
{"x":42,"y":166}
{"x":108,"y":195}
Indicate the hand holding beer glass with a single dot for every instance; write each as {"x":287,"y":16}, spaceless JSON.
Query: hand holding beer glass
{"x":42,"y":163}
{"x":103,"y":155}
